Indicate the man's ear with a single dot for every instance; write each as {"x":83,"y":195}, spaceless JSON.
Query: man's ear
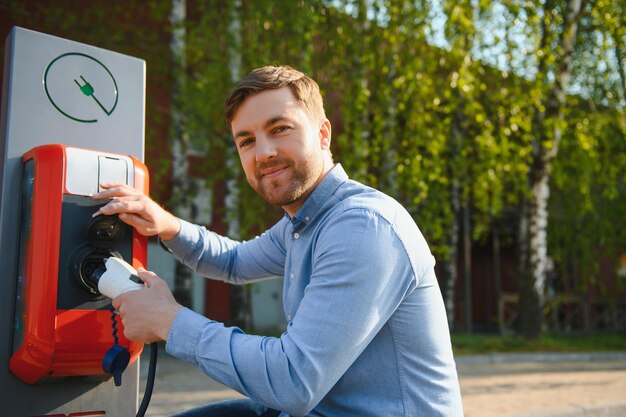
{"x":325,"y":134}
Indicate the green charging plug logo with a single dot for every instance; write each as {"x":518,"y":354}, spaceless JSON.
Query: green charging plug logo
{"x":88,"y":90}
{"x":76,"y":67}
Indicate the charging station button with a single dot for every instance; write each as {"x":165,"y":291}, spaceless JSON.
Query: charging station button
{"x":86,"y":170}
{"x":112,"y":170}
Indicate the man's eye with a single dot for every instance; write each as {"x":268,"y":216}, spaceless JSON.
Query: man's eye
{"x":245,"y":142}
{"x":281,"y":129}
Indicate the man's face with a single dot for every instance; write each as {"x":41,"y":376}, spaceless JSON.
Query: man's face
{"x":281,"y":149}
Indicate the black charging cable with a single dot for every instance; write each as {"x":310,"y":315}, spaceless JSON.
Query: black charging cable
{"x":116,"y":360}
{"x":154,"y":350}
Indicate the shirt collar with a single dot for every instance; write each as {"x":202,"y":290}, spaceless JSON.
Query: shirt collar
{"x":325,"y":189}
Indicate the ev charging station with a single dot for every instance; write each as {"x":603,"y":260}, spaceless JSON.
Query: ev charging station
{"x":72,"y":118}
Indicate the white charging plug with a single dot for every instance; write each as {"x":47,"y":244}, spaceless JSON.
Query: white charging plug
{"x":118,"y":278}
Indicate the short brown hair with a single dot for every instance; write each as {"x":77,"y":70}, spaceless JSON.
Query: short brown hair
{"x":304,"y":89}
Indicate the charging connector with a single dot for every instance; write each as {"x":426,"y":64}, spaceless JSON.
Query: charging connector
{"x":118,"y":278}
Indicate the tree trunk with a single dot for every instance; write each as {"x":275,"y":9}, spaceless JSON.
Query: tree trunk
{"x":620,"y":62}
{"x":467,"y":268}
{"x":531,"y":270}
{"x":180,"y":204}
{"x":449,"y":266}
{"x":546,"y":146}
{"x":240,"y":295}
{"x":497,"y":272}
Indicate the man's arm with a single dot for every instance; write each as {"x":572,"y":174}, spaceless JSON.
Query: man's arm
{"x":228,"y":260}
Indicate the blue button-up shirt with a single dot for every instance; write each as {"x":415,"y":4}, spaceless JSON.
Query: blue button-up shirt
{"x":367,"y":333}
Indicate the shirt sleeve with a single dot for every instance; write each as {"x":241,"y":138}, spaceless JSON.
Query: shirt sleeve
{"x":219,"y":257}
{"x":361,"y":273}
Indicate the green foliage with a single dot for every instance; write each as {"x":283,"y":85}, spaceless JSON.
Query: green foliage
{"x":473,"y":344}
{"x":589,"y":195}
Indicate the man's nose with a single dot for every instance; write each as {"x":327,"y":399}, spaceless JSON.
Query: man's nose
{"x":265,"y":148}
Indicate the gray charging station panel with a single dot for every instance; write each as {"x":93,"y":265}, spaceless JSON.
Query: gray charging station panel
{"x":60,"y":91}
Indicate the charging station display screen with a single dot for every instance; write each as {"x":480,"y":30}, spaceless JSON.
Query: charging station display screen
{"x":27,"y":186}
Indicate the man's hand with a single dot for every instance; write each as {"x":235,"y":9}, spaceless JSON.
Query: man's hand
{"x":147,"y":314}
{"x":138,"y":210}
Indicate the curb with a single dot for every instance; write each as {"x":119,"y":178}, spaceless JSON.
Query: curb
{"x":541,"y":357}
{"x":607,"y":410}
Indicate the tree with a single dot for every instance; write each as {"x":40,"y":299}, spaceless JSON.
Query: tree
{"x":588,"y":178}
{"x":559,"y":30}
{"x":180,"y":203}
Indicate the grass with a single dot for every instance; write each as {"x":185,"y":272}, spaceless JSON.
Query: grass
{"x":475,"y":344}
{"x":480,"y":343}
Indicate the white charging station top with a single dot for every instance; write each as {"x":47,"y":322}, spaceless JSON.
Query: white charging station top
{"x":86,"y":170}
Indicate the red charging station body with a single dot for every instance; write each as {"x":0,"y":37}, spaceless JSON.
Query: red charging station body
{"x":63,"y":326}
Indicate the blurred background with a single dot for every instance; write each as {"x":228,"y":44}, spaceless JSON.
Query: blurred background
{"x":499,"y":125}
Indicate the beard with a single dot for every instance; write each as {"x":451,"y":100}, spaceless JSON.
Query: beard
{"x":291,"y":186}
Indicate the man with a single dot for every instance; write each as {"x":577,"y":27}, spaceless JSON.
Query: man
{"x":367,"y":333}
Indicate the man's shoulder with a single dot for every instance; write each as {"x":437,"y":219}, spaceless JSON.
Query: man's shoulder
{"x":355,"y":195}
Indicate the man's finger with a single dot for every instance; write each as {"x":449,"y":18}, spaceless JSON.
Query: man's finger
{"x":142,"y":225}
{"x":149,"y":277}
{"x":127,"y":204}
{"x":108,"y":190}
{"x":116,"y":303}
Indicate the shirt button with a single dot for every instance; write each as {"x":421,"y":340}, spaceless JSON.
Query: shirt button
{"x":296,"y":235}
{"x":289,"y":317}
{"x":292,"y":275}
{"x":307,"y":218}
